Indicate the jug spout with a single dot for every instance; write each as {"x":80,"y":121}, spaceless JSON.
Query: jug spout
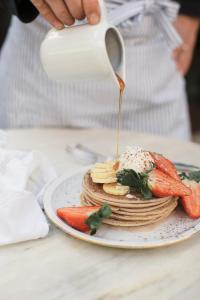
{"x":115,"y":52}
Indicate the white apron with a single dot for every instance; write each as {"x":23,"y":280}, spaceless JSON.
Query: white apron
{"x":154,"y":99}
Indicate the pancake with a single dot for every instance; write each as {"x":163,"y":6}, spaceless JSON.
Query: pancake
{"x":148,"y":209}
{"x":127,"y":206}
{"x":116,"y":215}
{"x":140,"y":212}
{"x":89,"y":202}
{"x":135,"y":216}
{"x":156,"y":211}
{"x":118,"y":223}
{"x":127,"y":212}
{"x":95,"y":192}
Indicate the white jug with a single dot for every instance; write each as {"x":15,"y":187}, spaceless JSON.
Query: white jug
{"x":94,"y":52}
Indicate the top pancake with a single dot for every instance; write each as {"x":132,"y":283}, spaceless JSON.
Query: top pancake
{"x":95,"y":191}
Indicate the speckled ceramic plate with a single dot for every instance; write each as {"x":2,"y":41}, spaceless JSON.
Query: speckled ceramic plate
{"x":65,"y":191}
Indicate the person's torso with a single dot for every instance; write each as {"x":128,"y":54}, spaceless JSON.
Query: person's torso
{"x":31,"y":99}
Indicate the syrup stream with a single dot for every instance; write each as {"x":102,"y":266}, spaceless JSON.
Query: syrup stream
{"x":121,"y":92}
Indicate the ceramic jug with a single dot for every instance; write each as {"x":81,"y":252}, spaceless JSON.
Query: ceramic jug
{"x":95,"y":52}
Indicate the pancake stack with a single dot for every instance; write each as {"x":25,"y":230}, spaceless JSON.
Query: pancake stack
{"x":129,"y":210}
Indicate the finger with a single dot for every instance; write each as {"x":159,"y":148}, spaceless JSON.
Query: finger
{"x":76,"y":9}
{"x":61,"y":11}
{"x":182,"y":65}
{"x":92,"y":11}
{"x":186,"y":47}
{"x":184,"y":62}
{"x":47,"y":13}
{"x":176,"y":53}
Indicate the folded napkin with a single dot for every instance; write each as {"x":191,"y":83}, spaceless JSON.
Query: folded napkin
{"x":23,"y":177}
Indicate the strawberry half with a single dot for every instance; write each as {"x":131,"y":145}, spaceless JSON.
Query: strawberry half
{"x":191,"y":204}
{"x":165,"y":165}
{"x":162,"y":185}
{"x":84,"y":218}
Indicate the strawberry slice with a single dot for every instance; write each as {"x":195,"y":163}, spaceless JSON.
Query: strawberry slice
{"x":165,"y":165}
{"x":162,"y":185}
{"x":84,"y":218}
{"x":191,"y":204}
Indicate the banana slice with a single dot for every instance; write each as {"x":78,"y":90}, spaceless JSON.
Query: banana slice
{"x":103,"y":175}
{"x":107,"y":180}
{"x":106,"y":165}
{"x":104,"y":172}
{"x":116,"y":189}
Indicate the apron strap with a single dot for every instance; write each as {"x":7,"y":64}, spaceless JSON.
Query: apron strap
{"x":164,"y":12}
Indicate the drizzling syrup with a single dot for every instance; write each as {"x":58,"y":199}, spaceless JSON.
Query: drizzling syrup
{"x":121,"y":91}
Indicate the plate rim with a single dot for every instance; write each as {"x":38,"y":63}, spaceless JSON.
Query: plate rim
{"x":100,"y":240}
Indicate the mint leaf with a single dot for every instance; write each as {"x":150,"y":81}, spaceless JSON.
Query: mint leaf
{"x":145,"y":191}
{"x":183,"y":176}
{"x":105,"y":211}
{"x":136,"y":181}
{"x":129,"y":178}
{"x":193,"y":175}
{"x":94,"y":221}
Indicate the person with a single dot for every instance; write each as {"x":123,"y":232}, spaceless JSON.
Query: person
{"x":154,"y":99}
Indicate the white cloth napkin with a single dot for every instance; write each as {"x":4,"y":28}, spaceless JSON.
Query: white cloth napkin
{"x":23,"y":177}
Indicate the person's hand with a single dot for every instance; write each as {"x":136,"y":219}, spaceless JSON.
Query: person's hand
{"x":188,"y":28}
{"x":64,"y":12}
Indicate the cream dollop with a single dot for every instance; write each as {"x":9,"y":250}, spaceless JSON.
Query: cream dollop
{"x":137,"y":159}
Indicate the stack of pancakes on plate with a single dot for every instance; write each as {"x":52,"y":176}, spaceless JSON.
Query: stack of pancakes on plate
{"x":130,"y":210}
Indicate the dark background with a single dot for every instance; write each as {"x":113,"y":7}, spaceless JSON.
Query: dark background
{"x":193,"y":89}
{"x":192,"y":78}
{"x":4,"y":23}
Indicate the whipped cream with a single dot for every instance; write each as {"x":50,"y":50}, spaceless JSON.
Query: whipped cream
{"x":137,"y":159}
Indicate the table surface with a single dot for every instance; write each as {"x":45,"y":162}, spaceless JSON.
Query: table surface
{"x":62,"y":267}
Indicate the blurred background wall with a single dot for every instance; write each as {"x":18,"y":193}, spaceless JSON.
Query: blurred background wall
{"x":192,"y":78}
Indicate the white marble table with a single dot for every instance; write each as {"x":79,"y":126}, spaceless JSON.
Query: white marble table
{"x":61,"y":267}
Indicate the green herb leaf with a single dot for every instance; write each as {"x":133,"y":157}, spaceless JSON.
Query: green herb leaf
{"x":136,"y":181}
{"x":105,"y":211}
{"x":94,"y":221}
{"x":194,"y":175}
{"x":183,"y":176}
{"x":153,"y":165}
{"x":145,"y":191}
{"x":130,"y":178}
